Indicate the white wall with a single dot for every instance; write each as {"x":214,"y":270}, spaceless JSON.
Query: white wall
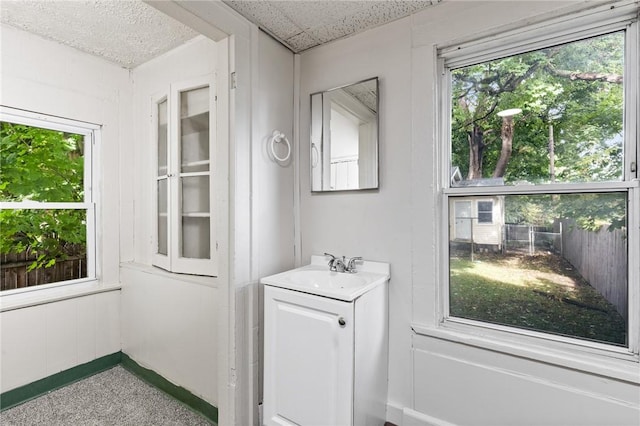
{"x":45,"y":77}
{"x":272,"y":211}
{"x":373,"y":224}
{"x":169,"y":321}
{"x":432,"y":381}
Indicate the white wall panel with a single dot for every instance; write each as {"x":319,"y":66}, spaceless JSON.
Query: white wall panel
{"x":43,"y":340}
{"x":170,"y":325}
{"x":169,"y":321}
{"x":373,"y":224}
{"x":23,"y":355}
{"x":60,"y":335}
{"x":495,"y":393}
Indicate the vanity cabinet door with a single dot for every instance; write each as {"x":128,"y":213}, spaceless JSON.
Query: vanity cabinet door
{"x":309,"y":357}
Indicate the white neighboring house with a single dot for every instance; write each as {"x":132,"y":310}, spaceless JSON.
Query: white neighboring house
{"x":476,"y":219}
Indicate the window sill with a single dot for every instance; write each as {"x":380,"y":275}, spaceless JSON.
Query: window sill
{"x":152,"y":270}
{"x":35,"y":296}
{"x":614,"y":363}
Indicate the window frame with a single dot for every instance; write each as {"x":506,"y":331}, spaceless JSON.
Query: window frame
{"x":91,"y":135}
{"x":559,"y":349}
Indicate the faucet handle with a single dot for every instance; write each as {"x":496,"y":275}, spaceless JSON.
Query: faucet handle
{"x":351,"y":266}
{"x":332,"y":265}
{"x":332,"y":258}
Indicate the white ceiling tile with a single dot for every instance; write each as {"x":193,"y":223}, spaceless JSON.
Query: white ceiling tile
{"x":127,"y":33}
{"x":130,"y":32}
{"x":301,"y":42}
{"x":309,"y":14}
{"x":267,"y":16}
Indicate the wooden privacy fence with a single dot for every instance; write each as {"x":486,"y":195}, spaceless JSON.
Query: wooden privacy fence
{"x":601,"y":258}
{"x":14,"y":274}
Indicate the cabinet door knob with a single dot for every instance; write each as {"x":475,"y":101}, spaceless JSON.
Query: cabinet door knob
{"x":342,"y":322}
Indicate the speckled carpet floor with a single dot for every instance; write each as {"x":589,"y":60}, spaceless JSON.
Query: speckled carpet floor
{"x":114,"y":397}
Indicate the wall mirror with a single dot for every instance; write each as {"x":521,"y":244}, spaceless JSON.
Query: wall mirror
{"x":344,"y":138}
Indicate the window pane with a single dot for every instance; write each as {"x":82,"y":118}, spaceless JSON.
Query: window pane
{"x":552,"y":115}
{"x":551,"y":263}
{"x":42,"y":246}
{"x":162,"y":139}
{"x":40,"y":164}
{"x":194,"y":130}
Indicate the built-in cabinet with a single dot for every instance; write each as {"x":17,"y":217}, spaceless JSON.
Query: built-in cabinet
{"x":184,"y":124}
{"x":325,"y":359}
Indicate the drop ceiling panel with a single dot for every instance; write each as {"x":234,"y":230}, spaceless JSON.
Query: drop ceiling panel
{"x":130,"y":32}
{"x":127,"y":33}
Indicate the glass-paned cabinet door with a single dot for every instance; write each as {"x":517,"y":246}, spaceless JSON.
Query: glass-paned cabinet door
{"x":189,"y":239}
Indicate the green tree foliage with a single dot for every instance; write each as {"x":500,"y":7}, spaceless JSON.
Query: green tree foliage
{"x":573,"y":89}
{"x":48,"y":166}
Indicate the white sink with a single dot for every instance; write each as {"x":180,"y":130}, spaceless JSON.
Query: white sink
{"x":316,"y":278}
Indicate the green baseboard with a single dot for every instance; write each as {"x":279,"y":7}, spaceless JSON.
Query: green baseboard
{"x":181,"y":394}
{"x":40,"y":387}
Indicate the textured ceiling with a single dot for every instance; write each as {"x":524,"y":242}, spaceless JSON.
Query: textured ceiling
{"x":130,"y":32}
{"x":303,"y":24}
{"x":127,"y":33}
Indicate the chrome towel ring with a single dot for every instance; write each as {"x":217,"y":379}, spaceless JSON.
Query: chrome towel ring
{"x":279,"y":137}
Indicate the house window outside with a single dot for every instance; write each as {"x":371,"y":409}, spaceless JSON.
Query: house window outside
{"x":550,"y":129}
{"x":485,"y":212}
{"x":47,"y":211}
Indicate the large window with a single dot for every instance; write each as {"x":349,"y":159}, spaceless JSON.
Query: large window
{"x":47,"y":212}
{"x":542,"y":133}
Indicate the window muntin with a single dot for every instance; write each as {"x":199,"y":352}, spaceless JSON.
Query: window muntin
{"x":47,"y":214}
{"x":600,"y":163}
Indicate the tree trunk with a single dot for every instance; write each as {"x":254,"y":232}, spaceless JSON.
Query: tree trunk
{"x":476,"y":151}
{"x":507,"y":147}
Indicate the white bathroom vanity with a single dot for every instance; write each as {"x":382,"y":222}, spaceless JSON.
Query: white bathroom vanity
{"x":326,"y":345}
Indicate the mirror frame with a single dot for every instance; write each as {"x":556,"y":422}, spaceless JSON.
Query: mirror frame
{"x":312,"y":146}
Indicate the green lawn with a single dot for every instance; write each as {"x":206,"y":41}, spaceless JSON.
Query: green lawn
{"x":541,"y":292}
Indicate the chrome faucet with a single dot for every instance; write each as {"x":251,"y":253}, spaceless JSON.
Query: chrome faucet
{"x":338,"y":264}
{"x":351,"y":266}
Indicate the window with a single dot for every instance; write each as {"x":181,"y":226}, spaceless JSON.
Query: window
{"x":542,"y":133}
{"x":485,"y":212}
{"x":184,"y":126}
{"x":47,"y":210}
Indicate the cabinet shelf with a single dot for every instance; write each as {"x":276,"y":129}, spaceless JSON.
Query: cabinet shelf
{"x":195,"y":123}
{"x":195,"y":163}
{"x":197,"y":214}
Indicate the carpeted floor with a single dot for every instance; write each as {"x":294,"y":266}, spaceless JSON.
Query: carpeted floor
{"x":114,"y":397}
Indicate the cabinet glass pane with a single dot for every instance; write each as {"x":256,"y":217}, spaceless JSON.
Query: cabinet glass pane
{"x":195,"y":194}
{"x":195,"y":240}
{"x":163,"y":230}
{"x":162,"y":138}
{"x":195,"y":237}
{"x":194,"y":130}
